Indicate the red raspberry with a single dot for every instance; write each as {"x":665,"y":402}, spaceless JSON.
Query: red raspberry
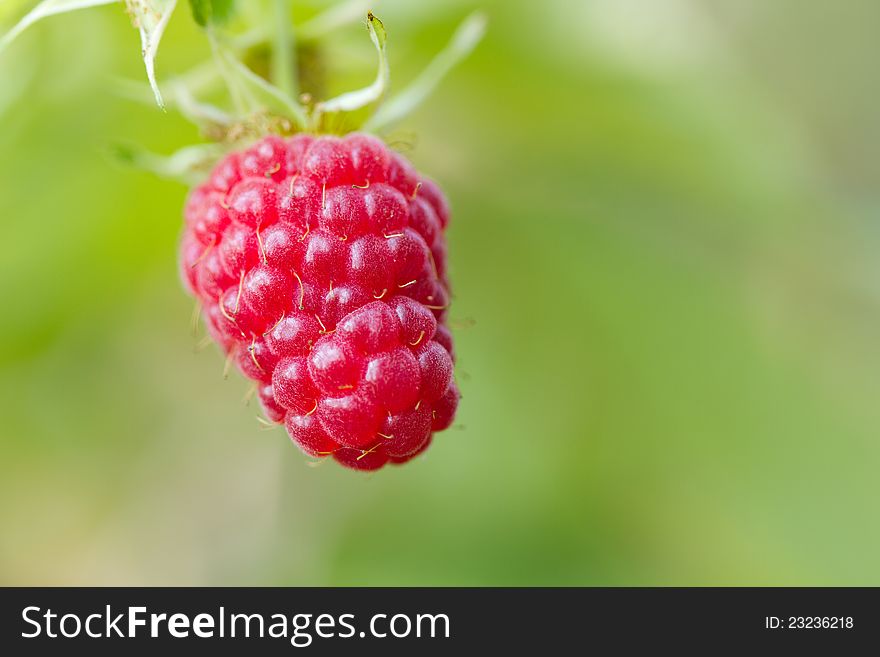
{"x":320,"y":263}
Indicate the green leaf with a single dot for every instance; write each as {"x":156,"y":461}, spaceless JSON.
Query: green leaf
{"x":211,"y":11}
{"x":45,"y":9}
{"x":222,"y":10}
{"x":465,"y":39}
{"x":150,"y":17}
{"x":201,"y":11}
{"x":354,"y":100}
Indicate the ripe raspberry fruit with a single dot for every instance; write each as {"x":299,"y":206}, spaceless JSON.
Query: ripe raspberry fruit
{"x":320,"y":264}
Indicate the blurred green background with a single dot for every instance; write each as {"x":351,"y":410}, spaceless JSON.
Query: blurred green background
{"x":664,"y":251}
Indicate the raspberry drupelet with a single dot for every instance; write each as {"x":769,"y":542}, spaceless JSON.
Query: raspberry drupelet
{"x":320,"y":265}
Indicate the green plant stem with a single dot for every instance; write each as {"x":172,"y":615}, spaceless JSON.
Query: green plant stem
{"x":284,"y":53}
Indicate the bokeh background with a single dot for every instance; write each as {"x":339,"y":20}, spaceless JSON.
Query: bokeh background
{"x":665,"y":256}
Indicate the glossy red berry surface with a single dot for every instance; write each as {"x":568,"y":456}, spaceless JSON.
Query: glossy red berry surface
{"x":320,"y":264}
